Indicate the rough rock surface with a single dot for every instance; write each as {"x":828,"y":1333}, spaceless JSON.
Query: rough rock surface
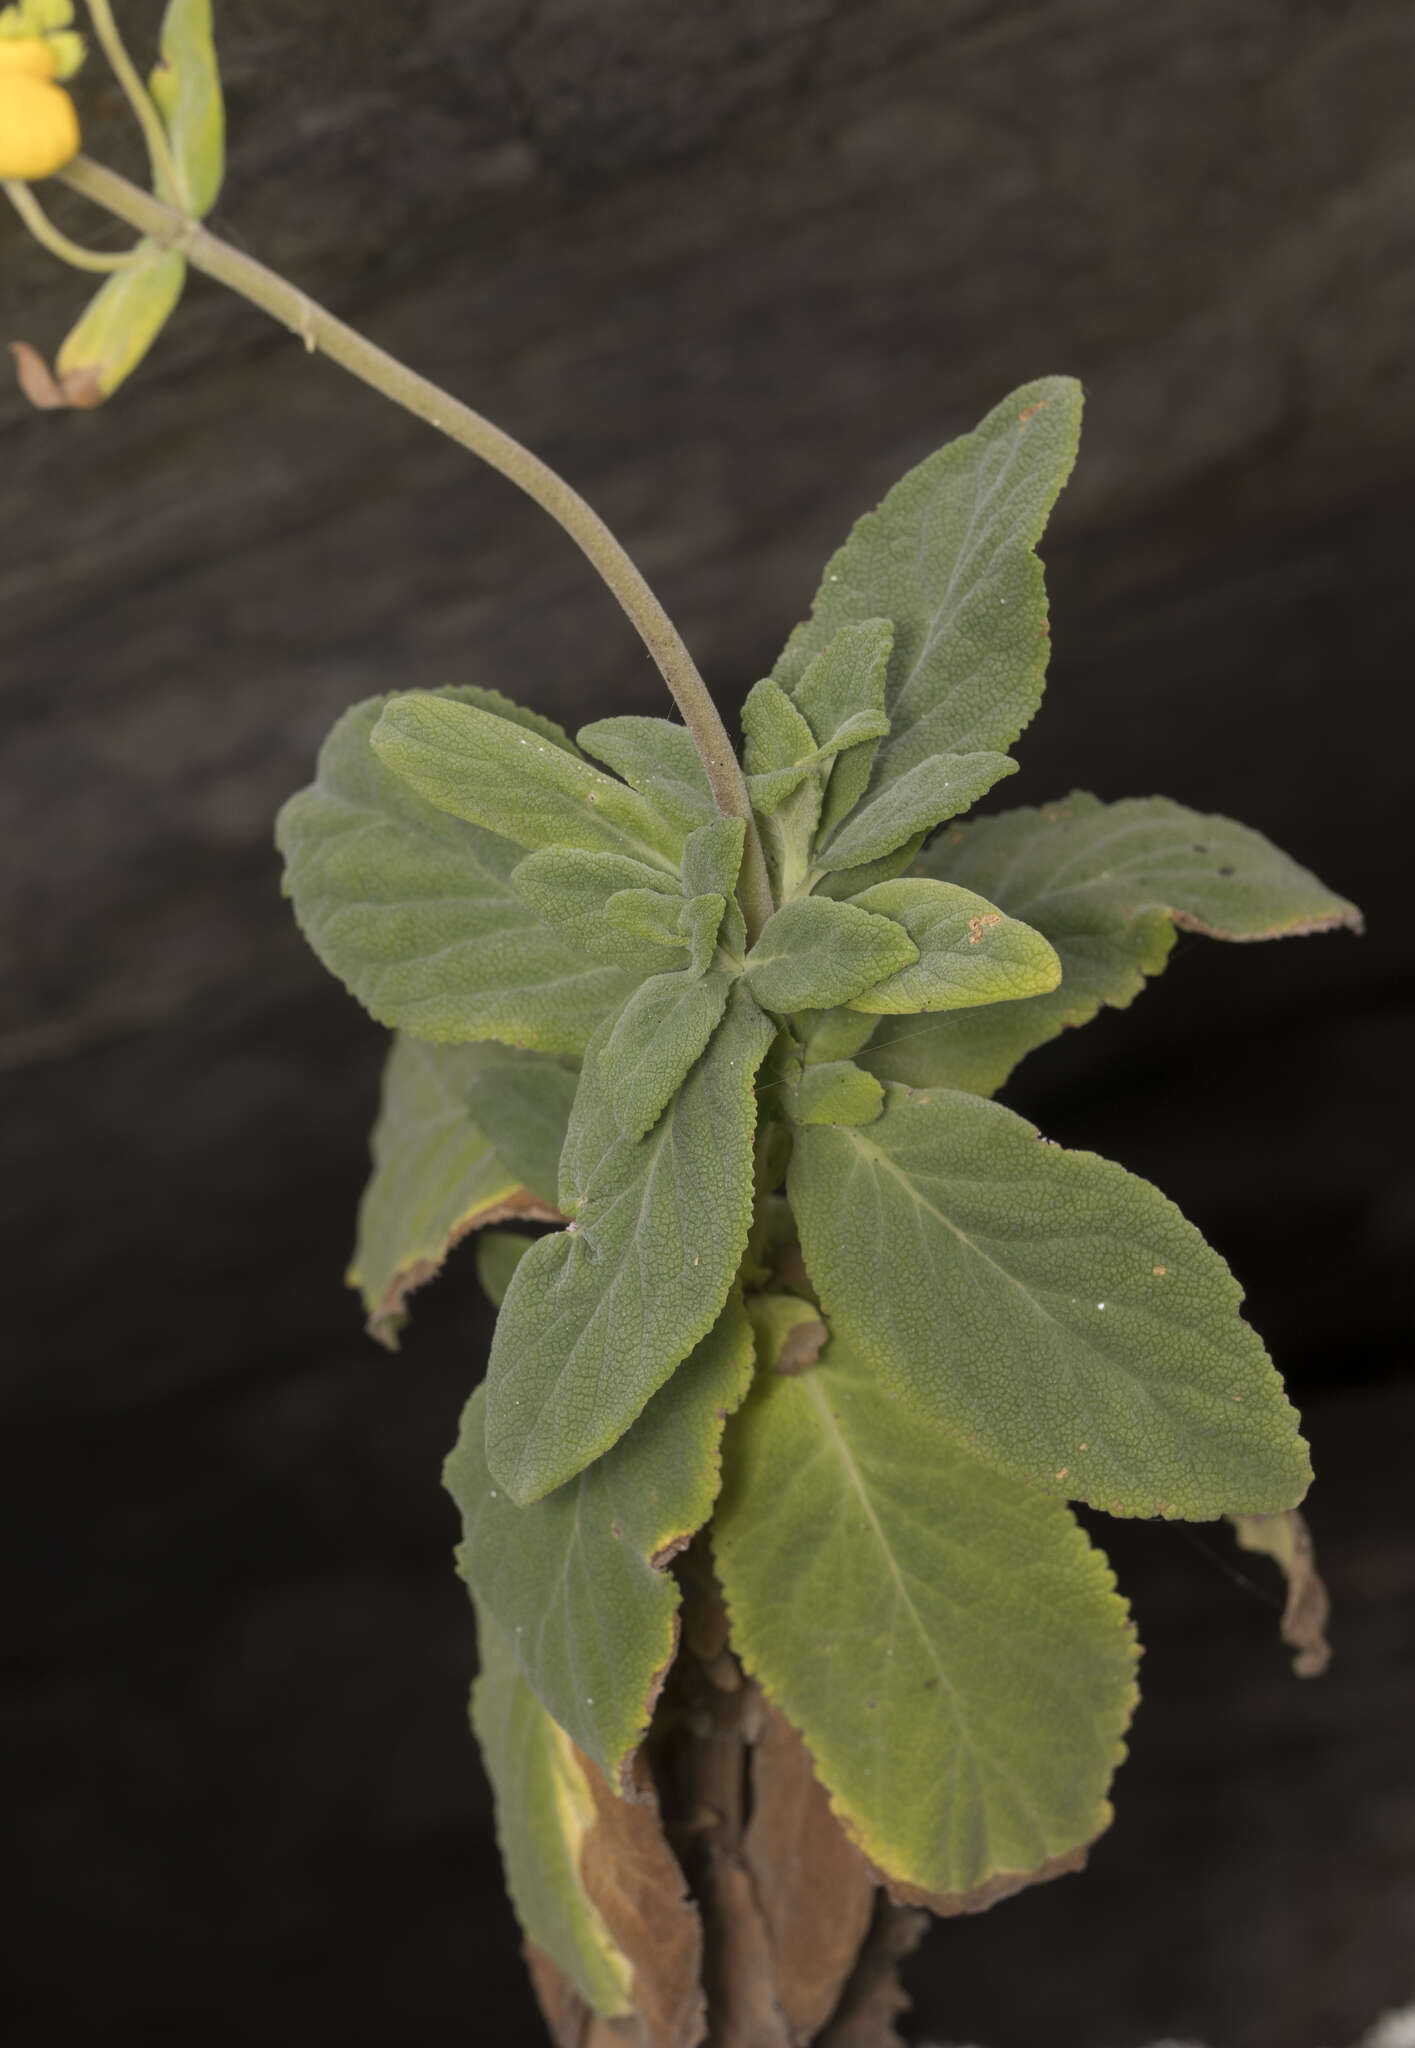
{"x":731,"y":267}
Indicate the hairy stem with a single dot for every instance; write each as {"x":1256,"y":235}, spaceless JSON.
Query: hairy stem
{"x":165,"y":173}
{"x":22,"y":198}
{"x":320,"y":330}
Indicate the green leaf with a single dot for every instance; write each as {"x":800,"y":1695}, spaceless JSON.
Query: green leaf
{"x":948,"y":557}
{"x":599,"y":1315}
{"x":579,"y":1581}
{"x":435,"y":1177}
{"x":836,"y":1092}
{"x":186,"y":87}
{"x":544,"y":1813}
{"x":832,"y":1034}
{"x":1106,"y":884}
{"x":969,"y":952}
{"x":499,"y":1253}
{"x":415,"y":913}
{"x":1058,"y":1314}
{"x":522,"y":1101}
{"x":119,"y":324}
{"x":775,"y":734}
{"x":925,"y":796}
{"x":570,"y":890}
{"x":814,"y":953}
{"x":948,"y":1643}
{"x":658,"y":759}
{"x":657,"y":1037}
{"x":712,"y":858}
{"x":842,"y":695}
{"x":480,"y":768}
{"x":854,"y":881}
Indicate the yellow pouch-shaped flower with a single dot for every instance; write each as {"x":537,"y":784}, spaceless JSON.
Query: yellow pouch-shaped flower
{"x":39,"y":129}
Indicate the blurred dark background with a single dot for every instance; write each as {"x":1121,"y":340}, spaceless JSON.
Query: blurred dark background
{"x":732,"y":267}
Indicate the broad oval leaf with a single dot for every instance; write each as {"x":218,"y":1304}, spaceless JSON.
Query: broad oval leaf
{"x":435,"y":1178}
{"x":415,"y":913}
{"x":836,"y":1092}
{"x":947,"y":1641}
{"x":969,"y":951}
{"x":1059,"y":1315}
{"x":1106,"y":884}
{"x":948,"y":557}
{"x":579,"y":1581}
{"x":599,"y":1315}
{"x":925,"y":796}
{"x":814,"y":953}
{"x":481,"y":768}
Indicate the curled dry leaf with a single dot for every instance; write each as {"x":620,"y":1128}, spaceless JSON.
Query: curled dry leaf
{"x":636,"y":1886}
{"x":874,"y":1998}
{"x":78,"y":390}
{"x":813,"y":1885}
{"x":1288,"y":1540}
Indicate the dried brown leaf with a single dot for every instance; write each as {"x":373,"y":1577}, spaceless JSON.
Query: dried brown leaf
{"x":636,"y":1885}
{"x":386,"y":1320}
{"x":745,"y":2010}
{"x":814,"y":1887}
{"x":1287,"y":1539}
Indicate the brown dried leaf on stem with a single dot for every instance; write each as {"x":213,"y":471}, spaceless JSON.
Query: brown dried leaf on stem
{"x":1287,"y":1539}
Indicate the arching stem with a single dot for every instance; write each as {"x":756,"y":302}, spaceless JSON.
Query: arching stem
{"x":319,"y":330}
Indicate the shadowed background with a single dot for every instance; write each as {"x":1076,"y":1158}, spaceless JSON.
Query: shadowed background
{"x":732,"y":268}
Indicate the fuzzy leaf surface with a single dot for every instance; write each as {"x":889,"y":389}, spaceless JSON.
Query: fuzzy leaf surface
{"x":657,"y":1037}
{"x":579,"y":1581}
{"x":599,"y":1315}
{"x":970,"y":952}
{"x":415,"y":913}
{"x":658,"y":758}
{"x":435,"y":1177}
{"x":836,"y":1092}
{"x":1061,"y":1317}
{"x":522,"y":1101}
{"x":570,"y":890}
{"x":814,"y":953}
{"x":916,"y":801}
{"x":544,"y":1813}
{"x":1106,"y":884}
{"x":499,"y":1253}
{"x":841,"y":694}
{"x":481,"y":768}
{"x":948,"y":557}
{"x":948,"y":1643}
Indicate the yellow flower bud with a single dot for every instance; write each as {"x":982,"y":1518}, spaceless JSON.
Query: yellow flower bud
{"x":39,"y":130}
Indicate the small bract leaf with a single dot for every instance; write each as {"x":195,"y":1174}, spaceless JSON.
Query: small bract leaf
{"x":119,"y":325}
{"x":480,"y":768}
{"x":570,"y":890}
{"x":579,"y":1581}
{"x":789,"y":1332}
{"x":415,"y":913}
{"x":813,"y":954}
{"x":599,"y":1315}
{"x":435,"y":1178}
{"x":657,"y":1037}
{"x":1059,"y":1316}
{"x":969,"y":951}
{"x":937,"y":789}
{"x":775,"y":735}
{"x":832,"y":1034}
{"x":186,"y":86}
{"x":1106,"y":884}
{"x":544,"y":1812}
{"x":658,"y":759}
{"x":947,"y":1642}
{"x":948,"y":557}
{"x":836,"y":1092}
{"x":522,"y":1101}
